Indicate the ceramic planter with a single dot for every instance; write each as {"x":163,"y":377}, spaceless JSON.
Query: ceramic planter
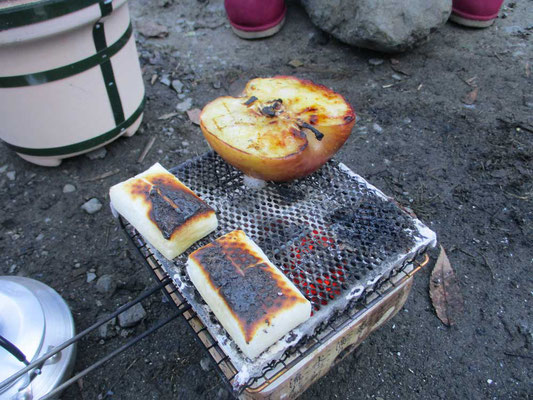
{"x":70,"y":79}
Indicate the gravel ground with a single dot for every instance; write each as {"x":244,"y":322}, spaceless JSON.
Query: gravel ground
{"x":466,"y":170}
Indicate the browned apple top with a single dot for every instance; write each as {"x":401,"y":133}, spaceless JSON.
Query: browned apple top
{"x":252,"y":289}
{"x":276,"y":117}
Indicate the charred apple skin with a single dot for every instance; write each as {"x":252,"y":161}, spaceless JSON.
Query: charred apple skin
{"x":280,"y":129}
{"x":251,"y":298}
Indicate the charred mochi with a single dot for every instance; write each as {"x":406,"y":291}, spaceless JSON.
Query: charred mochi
{"x":281,"y":128}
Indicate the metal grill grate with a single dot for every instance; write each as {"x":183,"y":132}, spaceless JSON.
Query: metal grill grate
{"x":334,"y":235}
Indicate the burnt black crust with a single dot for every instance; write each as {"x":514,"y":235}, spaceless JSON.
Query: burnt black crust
{"x":247,"y":285}
{"x":171,"y":206}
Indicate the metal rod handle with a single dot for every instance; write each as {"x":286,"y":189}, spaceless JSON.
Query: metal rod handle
{"x":38,"y":362}
{"x":115,"y":353}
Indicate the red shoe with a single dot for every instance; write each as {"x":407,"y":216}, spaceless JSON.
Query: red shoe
{"x":475,"y":13}
{"x":254,"y":19}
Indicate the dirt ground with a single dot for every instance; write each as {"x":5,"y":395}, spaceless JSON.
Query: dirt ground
{"x":465,"y":170}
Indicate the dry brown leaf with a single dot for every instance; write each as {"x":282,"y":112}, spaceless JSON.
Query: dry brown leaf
{"x":296,"y":63}
{"x":471,"y":97}
{"x":152,"y":29}
{"x":167,"y":116}
{"x":194,"y":115}
{"x":444,"y":291}
{"x":471,"y":81}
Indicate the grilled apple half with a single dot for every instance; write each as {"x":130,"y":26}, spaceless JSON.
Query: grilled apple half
{"x":280,"y":128}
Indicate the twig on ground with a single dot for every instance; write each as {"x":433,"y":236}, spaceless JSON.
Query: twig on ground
{"x":146,"y":149}
{"x":485,"y":263}
{"x":516,"y":124}
{"x":507,"y":353}
{"x":488,"y":265}
{"x":103,"y":176}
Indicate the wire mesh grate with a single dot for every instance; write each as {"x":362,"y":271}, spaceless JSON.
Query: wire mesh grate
{"x":334,"y":235}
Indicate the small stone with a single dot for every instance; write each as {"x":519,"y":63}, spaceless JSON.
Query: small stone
{"x":77,"y":265}
{"x":68,"y":188}
{"x":528,"y":101}
{"x":97,"y":154}
{"x":205,"y":364}
{"x":217,"y":85}
{"x":165,"y":80}
{"x":177,"y":85}
{"x":397,"y":77}
{"x":106,"y":285}
{"x":377,"y":128}
{"x":375,"y":61}
{"x":12,"y":268}
{"x":91,"y":276}
{"x":132,"y":316}
{"x":362,"y":130}
{"x":39,"y":237}
{"x":184,"y":105}
{"x":11,"y":175}
{"x":92,"y":206}
{"x":107,"y":330}
{"x":407,"y":121}
{"x":3,"y":168}
{"x":490,"y":381}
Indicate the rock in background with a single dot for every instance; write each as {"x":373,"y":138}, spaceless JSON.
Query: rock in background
{"x":389,"y":26}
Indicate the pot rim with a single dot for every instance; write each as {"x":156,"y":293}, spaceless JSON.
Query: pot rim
{"x":36,"y":20}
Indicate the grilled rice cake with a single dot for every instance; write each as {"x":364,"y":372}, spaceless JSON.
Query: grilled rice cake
{"x":165,"y":211}
{"x":252,"y":299}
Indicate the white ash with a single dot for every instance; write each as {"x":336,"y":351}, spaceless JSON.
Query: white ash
{"x":253,"y":183}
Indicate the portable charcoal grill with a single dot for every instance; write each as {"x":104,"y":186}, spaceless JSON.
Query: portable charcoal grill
{"x":350,"y":250}
{"x":345,"y":245}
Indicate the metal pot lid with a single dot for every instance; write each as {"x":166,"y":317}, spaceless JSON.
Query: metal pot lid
{"x":35,"y":319}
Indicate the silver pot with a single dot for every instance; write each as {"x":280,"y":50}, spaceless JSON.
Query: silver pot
{"x":35,"y":319}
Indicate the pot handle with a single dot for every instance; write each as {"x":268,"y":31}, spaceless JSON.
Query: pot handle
{"x":13,"y":350}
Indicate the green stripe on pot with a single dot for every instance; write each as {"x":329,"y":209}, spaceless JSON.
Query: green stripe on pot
{"x":81,"y":146}
{"x":108,"y":74}
{"x":26,"y":14}
{"x":51,"y":75}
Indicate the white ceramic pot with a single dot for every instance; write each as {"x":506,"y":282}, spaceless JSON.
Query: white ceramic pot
{"x":70,"y":79}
